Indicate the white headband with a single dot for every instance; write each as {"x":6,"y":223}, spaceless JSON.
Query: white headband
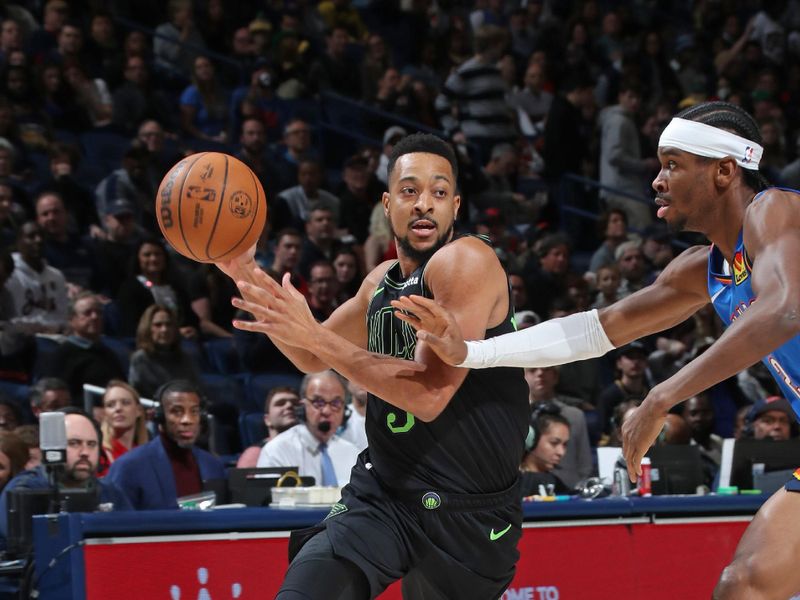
{"x":712,"y":142}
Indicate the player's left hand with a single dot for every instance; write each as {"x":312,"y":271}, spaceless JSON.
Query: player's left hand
{"x":639,"y":432}
{"x":280,"y":312}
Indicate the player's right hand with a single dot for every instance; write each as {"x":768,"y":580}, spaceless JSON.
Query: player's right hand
{"x":435,"y":326}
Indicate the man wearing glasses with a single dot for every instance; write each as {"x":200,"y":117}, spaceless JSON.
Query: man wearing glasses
{"x":313,"y":445}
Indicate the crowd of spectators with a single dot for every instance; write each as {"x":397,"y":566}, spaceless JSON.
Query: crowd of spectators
{"x":99,"y":99}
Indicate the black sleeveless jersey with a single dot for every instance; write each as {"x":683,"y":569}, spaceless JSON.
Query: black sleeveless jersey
{"x":476,"y":444}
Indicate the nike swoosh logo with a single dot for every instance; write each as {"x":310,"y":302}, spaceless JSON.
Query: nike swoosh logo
{"x":496,"y":536}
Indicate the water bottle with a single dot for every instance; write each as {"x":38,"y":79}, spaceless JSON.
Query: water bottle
{"x":622,"y":485}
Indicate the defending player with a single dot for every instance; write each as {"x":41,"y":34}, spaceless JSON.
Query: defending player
{"x":709,"y":183}
{"x":434,"y":498}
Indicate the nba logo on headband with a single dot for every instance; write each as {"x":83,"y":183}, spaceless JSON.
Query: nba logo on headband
{"x":712,"y":142}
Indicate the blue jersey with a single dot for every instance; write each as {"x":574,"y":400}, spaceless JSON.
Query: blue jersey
{"x":731,"y":291}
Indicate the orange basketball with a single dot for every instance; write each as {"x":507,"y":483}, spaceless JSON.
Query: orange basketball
{"x":211,"y":207}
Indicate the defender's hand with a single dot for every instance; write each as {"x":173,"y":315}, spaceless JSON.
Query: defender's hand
{"x":639,"y":432}
{"x":435,"y":326}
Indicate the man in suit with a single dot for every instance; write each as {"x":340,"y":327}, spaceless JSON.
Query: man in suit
{"x":156,"y":474}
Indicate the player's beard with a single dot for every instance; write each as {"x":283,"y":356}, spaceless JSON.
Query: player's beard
{"x":421,"y":256}
{"x":678,"y":226}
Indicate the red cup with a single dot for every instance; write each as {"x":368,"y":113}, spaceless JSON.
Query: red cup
{"x":645,"y":481}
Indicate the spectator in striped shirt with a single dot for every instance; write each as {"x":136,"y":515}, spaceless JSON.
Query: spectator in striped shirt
{"x":473,"y":98}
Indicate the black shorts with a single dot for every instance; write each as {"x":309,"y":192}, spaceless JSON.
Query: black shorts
{"x":448,"y":552}
{"x":793,"y":485}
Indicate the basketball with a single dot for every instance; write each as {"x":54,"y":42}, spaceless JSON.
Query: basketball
{"x":211,"y":207}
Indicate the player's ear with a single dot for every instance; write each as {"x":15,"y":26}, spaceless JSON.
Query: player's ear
{"x":456,"y":204}
{"x":726,"y":171}
{"x":385,"y":199}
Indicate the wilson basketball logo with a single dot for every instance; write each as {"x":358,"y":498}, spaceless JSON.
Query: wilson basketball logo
{"x":165,"y":208}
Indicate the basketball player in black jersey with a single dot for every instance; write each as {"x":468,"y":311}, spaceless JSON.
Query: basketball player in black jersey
{"x":434,"y":498}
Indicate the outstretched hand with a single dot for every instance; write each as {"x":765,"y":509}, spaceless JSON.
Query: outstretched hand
{"x":280,"y":312}
{"x":435,"y":326}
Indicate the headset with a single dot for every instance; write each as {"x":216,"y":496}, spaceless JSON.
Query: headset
{"x":539,"y":410}
{"x":300,"y":409}
{"x":179,"y":385}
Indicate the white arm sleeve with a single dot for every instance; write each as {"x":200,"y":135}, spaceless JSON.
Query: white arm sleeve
{"x":555,"y":342}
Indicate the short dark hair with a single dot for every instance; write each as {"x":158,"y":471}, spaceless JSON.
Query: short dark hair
{"x":246,"y":120}
{"x":630,"y":84}
{"x":61,"y":149}
{"x":281,"y":389}
{"x":320,"y":263}
{"x":333,"y":28}
{"x":179,"y":386}
{"x":308,"y":160}
{"x":46,"y":384}
{"x":423,"y":142}
{"x":16,"y":450}
{"x":488,"y":36}
{"x":724,"y":115}
{"x":618,"y":414}
{"x":47,"y":193}
{"x":101,"y":12}
{"x":25,"y":225}
{"x":552,"y":240}
{"x":320,"y":205}
{"x":545,"y":420}
{"x":287,"y":231}
{"x":577,"y":79}
{"x":605,"y":217}
{"x":13,"y":407}
{"x":136,"y":151}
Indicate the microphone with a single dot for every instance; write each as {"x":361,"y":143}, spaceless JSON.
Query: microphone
{"x":53,"y":439}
